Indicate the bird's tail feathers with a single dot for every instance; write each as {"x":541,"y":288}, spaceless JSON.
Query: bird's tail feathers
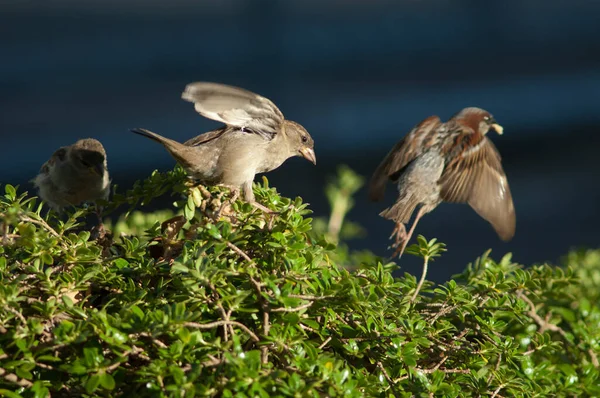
{"x":171,"y":145}
{"x":153,"y":136}
{"x":401,"y":211}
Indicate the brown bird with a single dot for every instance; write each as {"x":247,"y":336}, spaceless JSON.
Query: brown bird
{"x":452,"y":162}
{"x":74,"y":174}
{"x":256,"y":138}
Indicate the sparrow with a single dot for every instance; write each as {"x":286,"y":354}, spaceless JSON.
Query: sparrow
{"x":256,"y":138}
{"x":452,"y":162}
{"x":74,"y":174}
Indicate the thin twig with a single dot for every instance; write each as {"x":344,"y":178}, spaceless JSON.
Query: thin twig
{"x":264,"y":356}
{"x":257,"y":287}
{"x":295,"y":309}
{"x":323,"y":344}
{"x":388,"y":378}
{"x":240,"y":252}
{"x":139,"y":352}
{"x":213,"y":361}
{"x":500,"y":387}
{"x":307,"y":328}
{"x":212,"y":325}
{"x":463,"y":371}
{"x":154,"y":339}
{"x":133,"y":351}
{"x":422,"y":280}
{"x":115,"y":365}
{"x":13,"y":378}
{"x":436,"y":367}
{"x":543,"y":324}
{"x":42,"y":224}
{"x":305,"y":297}
{"x":224,"y":313}
{"x":17,"y":314}
{"x":44,"y":366}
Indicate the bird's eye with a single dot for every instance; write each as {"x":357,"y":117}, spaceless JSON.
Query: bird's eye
{"x":486,"y":118}
{"x":304,"y":138}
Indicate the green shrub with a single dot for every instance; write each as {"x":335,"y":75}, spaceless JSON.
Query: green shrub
{"x":255,"y":304}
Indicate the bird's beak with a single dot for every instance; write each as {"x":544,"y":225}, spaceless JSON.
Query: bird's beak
{"x":497,"y":128}
{"x":309,"y":154}
{"x":97,"y":169}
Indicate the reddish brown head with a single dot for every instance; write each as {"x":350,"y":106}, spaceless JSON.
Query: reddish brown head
{"x":478,"y":119}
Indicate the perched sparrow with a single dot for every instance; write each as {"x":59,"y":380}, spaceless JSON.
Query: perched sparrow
{"x":74,"y":174}
{"x":452,"y":162}
{"x":255,"y":139}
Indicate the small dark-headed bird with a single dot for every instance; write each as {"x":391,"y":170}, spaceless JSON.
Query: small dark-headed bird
{"x":74,"y":174}
{"x":256,"y":138}
{"x":452,"y":162}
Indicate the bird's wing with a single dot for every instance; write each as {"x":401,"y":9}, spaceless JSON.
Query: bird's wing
{"x":206,"y":137}
{"x":475,"y":176}
{"x":405,"y":151}
{"x":235,"y":107}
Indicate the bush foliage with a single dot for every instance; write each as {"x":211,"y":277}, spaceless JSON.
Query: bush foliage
{"x":221,"y":299}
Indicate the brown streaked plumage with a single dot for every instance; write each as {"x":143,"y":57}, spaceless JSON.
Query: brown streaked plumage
{"x":452,"y":162}
{"x":256,"y":137}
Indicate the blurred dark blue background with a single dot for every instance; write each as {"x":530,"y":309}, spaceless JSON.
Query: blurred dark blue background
{"x":357,"y":74}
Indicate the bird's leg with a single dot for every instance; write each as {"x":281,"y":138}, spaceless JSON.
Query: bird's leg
{"x":100,"y":228}
{"x":98,"y":212}
{"x":399,"y":233}
{"x":249,"y":196}
{"x":400,"y":250}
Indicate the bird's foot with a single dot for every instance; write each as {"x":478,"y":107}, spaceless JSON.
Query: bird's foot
{"x":399,"y":250}
{"x":263,"y":208}
{"x":227,"y":203}
{"x":399,"y":234}
{"x":191,"y":182}
{"x":271,"y":215}
{"x":98,"y":232}
{"x":400,"y":239}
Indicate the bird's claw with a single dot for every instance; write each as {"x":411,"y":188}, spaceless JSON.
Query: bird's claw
{"x":264,"y":208}
{"x":271,"y":214}
{"x":399,"y":234}
{"x":228,"y":202}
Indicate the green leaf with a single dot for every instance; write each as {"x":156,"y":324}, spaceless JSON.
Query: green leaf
{"x":121,"y":263}
{"x":9,"y":394}
{"x":92,"y":383}
{"x":190,"y":209}
{"x":11,"y":192}
{"x":107,"y":381}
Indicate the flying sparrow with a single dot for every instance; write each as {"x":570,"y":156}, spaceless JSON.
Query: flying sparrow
{"x":452,"y":162}
{"x":256,"y":138}
{"x":74,"y":174}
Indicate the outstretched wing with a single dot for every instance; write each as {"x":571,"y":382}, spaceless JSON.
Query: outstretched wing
{"x":235,"y":107}
{"x":476,"y":177}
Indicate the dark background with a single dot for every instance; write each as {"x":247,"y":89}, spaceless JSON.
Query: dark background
{"x":357,"y":74}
